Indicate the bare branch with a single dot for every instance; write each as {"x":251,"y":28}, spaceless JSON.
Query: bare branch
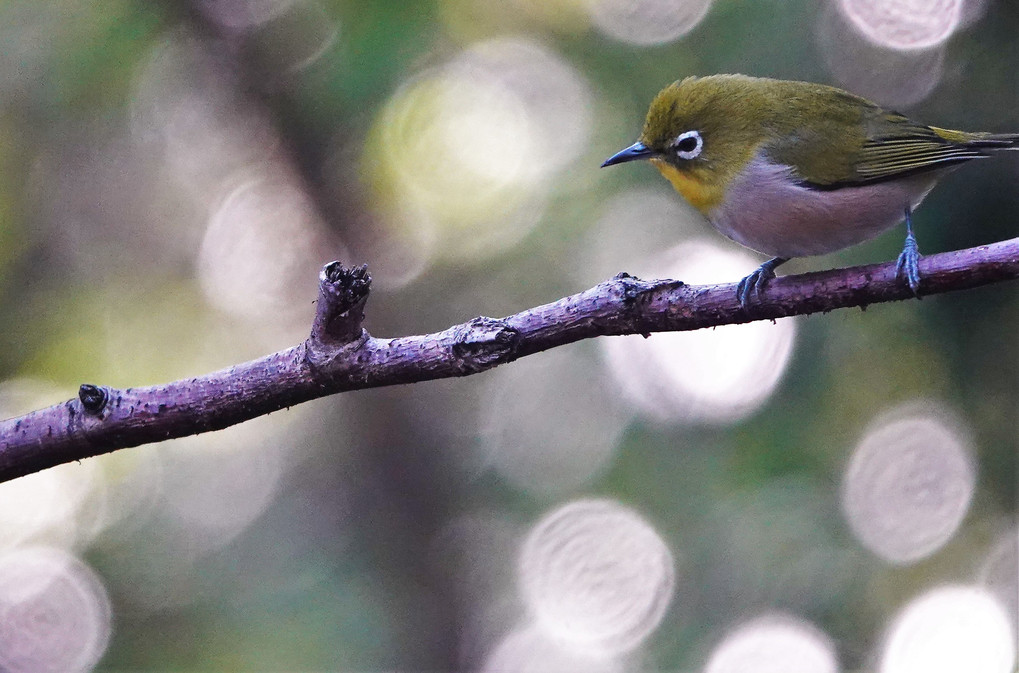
{"x":339,"y":355}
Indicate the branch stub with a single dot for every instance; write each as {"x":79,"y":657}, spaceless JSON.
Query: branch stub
{"x":342,"y":293}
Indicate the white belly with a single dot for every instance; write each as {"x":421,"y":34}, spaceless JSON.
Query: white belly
{"x":766,"y":210}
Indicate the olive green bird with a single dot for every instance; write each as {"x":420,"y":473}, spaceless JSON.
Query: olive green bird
{"x":793,"y":169}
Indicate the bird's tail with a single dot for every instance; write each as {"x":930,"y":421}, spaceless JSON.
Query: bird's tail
{"x":989,"y":141}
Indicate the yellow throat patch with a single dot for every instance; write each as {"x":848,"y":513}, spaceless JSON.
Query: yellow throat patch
{"x":702,"y":196}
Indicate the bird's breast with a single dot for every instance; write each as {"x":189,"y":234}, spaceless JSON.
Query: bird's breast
{"x":701,"y":195}
{"x":767,"y":209}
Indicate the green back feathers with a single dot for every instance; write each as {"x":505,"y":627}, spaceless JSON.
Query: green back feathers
{"x":830,"y":137}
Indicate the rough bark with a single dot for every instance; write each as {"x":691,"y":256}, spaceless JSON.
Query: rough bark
{"x":340,"y":355}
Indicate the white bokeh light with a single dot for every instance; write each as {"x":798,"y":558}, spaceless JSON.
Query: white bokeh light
{"x":461,"y":153}
{"x":908,"y":484}
{"x":296,"y":32}
{"x":263,"y":237}
{"x":555,"y":96}
{"x":999,"y":573}
{"x":218,"y":483}
{"x":595,"y":574}
{"x":634,"y":228}
{"x":224,"y":184}
{"x":647,"y":22}
{"x":45,"y":506}
{"x":530,"y":650}
{"x":549,"y":423}
{"x":891,"y":77}
{"x":187,"y":107}
{"x":950,"y":629}
{"x":904,"y":24}
{"x":54,"y":613}
{"x":432,"y":183}
{"x":703,"y":376}
{"x":244,"y":14}
{"x":774,"y":644}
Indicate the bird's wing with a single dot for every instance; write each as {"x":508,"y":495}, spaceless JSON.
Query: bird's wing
{"x":832,"y":139}
{"x":897,"y":146}
{"x":875,"y":146}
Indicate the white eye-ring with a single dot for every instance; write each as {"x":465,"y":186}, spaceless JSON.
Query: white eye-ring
{"x":688,"y":145}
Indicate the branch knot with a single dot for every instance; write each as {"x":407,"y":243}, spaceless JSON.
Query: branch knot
{"x":93,"y":398}
{"x":483,"y":343}
{"x":635,"y":293}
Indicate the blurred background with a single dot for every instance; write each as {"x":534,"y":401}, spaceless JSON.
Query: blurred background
{"x":822,"y":494}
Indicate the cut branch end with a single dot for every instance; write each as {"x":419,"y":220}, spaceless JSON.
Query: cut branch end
{"x":342,"y":293}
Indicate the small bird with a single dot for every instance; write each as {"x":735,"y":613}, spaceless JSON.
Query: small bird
{"x":793,"y":169}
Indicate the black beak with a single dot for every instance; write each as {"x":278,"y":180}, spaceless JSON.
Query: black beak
{"x":632,"y":153}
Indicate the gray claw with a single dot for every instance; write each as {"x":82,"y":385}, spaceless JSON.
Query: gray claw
{"x":907,"y":266}
{"x":756,"y":281}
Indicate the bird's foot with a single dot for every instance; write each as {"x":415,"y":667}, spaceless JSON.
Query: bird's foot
{"x":753,"y":283}
{"x":907,"y":266}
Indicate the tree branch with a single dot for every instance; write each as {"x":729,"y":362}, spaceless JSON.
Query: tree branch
{"x":340,"y":355}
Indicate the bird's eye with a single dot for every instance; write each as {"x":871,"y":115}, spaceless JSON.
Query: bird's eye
{"x":688,"y":145}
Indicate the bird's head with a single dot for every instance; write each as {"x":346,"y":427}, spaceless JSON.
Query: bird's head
{"x":701,"y":132}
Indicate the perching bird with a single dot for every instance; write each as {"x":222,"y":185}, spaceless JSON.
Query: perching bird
{"x":793,"y":169}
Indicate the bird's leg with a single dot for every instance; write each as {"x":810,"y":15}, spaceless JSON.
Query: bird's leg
{"x":755,"y":282}
{"x":907,"y":267}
